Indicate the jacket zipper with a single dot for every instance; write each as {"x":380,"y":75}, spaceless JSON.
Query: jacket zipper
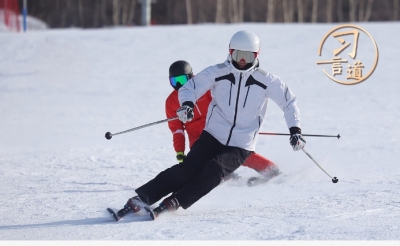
{"x":230,"y":95}
{"x":236,"y":109}
{"x":245,"y":100}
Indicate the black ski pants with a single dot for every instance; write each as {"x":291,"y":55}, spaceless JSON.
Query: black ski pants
{"x":201,"y":171}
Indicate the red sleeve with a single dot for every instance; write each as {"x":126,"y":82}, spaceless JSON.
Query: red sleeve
{"x":176,"y":126}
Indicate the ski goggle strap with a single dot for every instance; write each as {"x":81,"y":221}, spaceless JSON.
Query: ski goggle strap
{"x":181,"y":79}
{"x":248,"y":56}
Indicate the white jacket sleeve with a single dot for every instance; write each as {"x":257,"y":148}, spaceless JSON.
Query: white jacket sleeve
{"x":197,"y":86}
{"x":280,"y":93}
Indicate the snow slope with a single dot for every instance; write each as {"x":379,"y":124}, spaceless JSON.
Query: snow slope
{"x":61,"y":90}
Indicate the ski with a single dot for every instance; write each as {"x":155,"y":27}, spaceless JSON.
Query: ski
{"x":153,"y":213}
{"x":124,"y":211}
{"x":120,"y":214}
{"x":153,"y":216}
{"x":114,"y":215}
{"x":254,"y":181}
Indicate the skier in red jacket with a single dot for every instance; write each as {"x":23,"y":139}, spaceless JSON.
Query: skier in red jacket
{"x":179,"y":73}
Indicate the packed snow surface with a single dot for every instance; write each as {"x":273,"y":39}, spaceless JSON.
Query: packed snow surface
{"x":62,"y":90}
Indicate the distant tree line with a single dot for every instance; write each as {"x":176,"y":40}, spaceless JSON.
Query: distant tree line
{"x":102,"y":13}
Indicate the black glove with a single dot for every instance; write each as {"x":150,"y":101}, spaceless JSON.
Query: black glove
{"x":296,"y":139}
{"x":185,"y":113}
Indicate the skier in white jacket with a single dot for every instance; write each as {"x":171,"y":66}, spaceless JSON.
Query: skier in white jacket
{"x":240,"y":92}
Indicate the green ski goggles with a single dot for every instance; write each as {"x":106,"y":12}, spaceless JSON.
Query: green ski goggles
{"x":181,"y":79}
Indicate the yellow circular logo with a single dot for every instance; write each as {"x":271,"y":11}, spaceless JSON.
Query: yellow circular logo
{"x":355,"y":40}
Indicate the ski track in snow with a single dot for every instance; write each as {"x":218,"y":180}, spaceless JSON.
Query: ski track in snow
{"x":61,"y":90}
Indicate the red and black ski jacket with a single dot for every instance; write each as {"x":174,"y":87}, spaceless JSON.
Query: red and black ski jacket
{"x":193,"y":127}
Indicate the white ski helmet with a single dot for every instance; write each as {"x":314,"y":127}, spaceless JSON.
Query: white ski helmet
{"x":245,"y":41}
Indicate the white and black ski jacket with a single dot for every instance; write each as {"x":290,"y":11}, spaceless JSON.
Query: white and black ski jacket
{"x":239,"y":103}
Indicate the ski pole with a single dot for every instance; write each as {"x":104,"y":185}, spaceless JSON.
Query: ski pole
{"x":109,"y":134}
{"x":334,"y":179}
{"x":307,"y":135}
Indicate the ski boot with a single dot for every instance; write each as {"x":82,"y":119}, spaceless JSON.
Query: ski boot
{"x":134,"y":205}
{"x":169,"y":204}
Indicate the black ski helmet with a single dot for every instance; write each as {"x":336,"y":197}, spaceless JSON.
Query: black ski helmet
{"x":180,"y":68}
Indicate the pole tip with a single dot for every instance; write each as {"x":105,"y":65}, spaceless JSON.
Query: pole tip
{"x":108,"y":135}
{"x":338,"y":136}
{"x":335,"y":180}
